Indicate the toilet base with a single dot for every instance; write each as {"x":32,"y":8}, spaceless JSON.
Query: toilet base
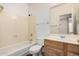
{"x":35,"y":54}
{"x":35,"y":50}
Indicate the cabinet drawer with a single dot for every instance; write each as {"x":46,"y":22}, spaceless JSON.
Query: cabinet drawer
{"x":49,"y":51}
{"x":73,"y":48}
{"x":54,"y":44}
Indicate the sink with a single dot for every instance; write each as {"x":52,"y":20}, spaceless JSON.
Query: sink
{"x":62,"y":36}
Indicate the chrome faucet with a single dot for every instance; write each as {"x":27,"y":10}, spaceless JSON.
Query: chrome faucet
{"x":62,"y":36}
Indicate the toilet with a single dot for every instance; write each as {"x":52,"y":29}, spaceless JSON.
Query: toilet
{"x":35,"y":50}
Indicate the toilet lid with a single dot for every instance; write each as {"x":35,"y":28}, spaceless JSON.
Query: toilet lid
{"x":35,"y":47}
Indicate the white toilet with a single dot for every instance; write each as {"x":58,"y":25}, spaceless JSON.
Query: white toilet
{"x":36,"y":49}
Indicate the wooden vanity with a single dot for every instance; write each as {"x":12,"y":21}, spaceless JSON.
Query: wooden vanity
{"x":58,"y":48}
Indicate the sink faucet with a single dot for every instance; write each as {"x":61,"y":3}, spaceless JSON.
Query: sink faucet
{"x":62,"y":36}
{"x":77,"y":40}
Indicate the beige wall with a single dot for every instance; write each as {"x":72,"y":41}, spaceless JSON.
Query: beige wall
{"x":13,"y":24}
{"x":32,"y":28}
{"x":13,"y":30}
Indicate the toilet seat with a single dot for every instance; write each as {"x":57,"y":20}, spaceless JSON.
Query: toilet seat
{"x":35,"y":49}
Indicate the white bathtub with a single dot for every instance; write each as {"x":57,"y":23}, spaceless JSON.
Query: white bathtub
{"x":19,"y":49}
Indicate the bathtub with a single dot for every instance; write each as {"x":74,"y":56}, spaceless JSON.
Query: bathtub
{"x":20,"y":49}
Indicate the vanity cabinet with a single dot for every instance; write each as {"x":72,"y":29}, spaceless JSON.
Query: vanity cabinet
{"x":56,"y":48}
{"x":53,"y":48}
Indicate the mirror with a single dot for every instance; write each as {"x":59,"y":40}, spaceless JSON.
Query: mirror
{"x":66,"y":24}
{"x":63,"y":19}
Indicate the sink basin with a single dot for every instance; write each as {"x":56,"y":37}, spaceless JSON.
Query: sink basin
{"x":74,"y":39}
{"x":62,"y":36}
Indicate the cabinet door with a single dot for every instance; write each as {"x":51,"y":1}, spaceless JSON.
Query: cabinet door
{"x":73,"y":49}
{"x":54,"y":44}
{"x":50,"y":51}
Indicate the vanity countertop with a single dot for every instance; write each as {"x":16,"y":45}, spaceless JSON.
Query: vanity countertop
{"x":73,"y":39}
